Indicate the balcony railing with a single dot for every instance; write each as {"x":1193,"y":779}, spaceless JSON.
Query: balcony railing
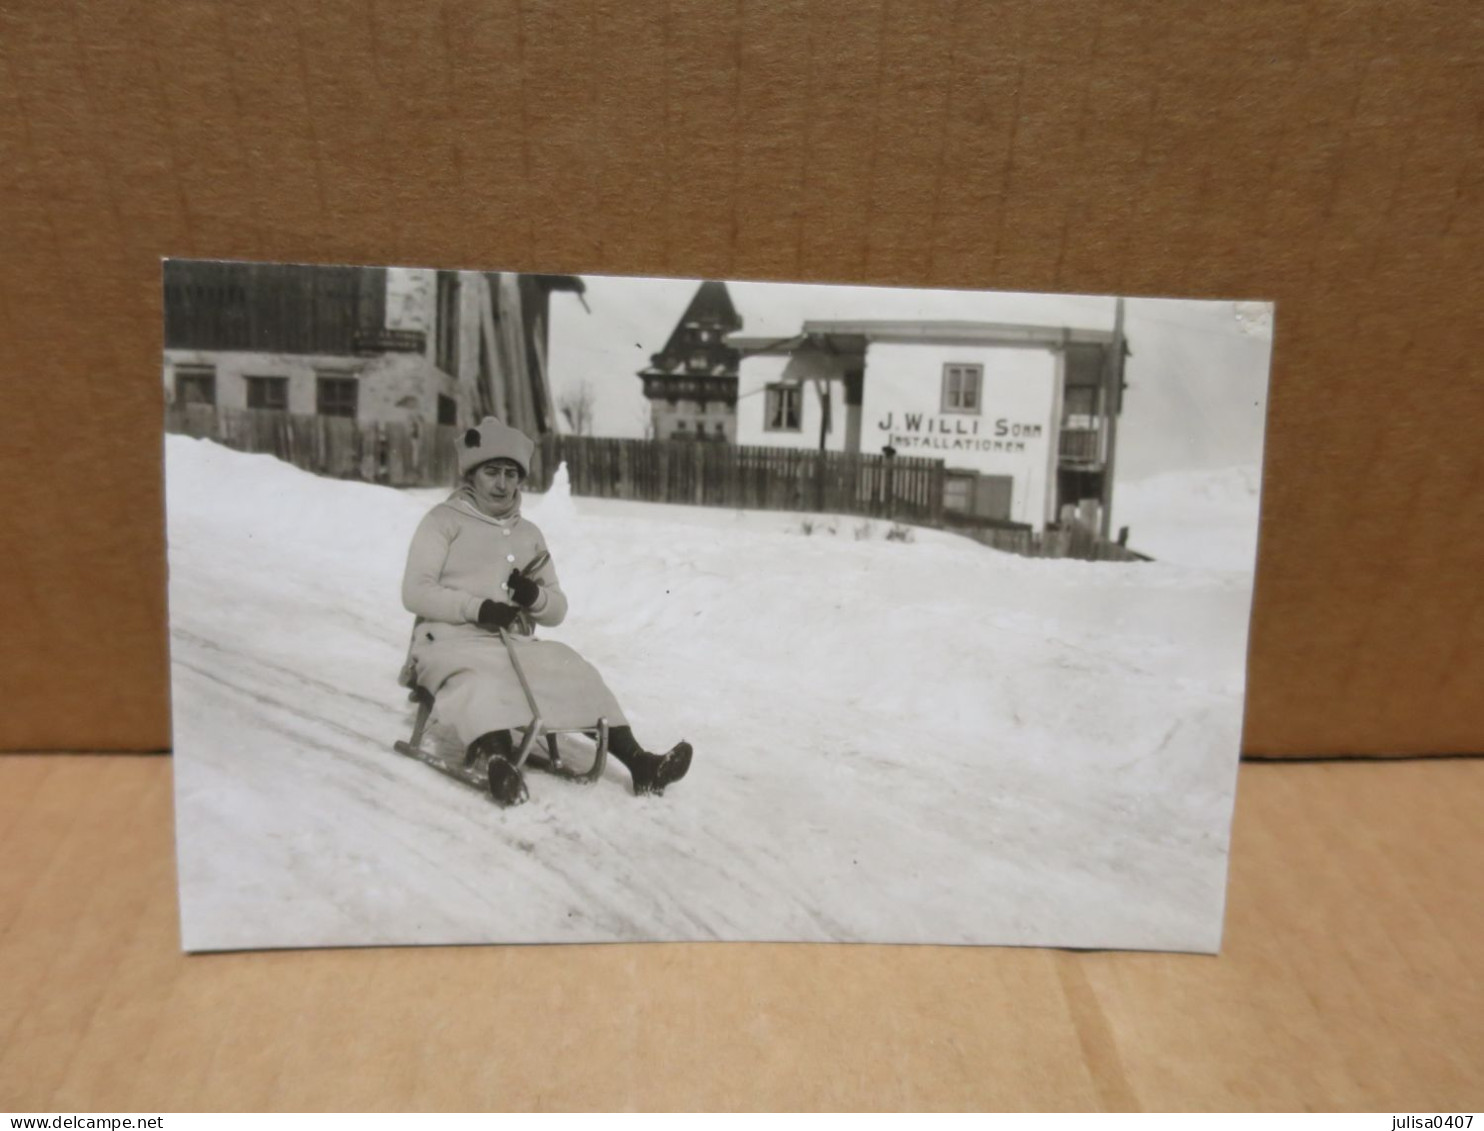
{"x":1081,"y":445}
{"x":723,"y":389}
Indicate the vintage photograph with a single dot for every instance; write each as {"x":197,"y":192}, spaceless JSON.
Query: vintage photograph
{"x":522,"y":608}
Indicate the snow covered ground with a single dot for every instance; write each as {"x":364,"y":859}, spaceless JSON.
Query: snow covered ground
{"x":922,"y":741}
{"x":1206,"y":519}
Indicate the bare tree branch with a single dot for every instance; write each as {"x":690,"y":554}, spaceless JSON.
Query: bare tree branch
{"x":575,"y":403}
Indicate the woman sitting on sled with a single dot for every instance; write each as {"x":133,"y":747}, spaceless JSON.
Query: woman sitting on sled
{"x":477,"y":567}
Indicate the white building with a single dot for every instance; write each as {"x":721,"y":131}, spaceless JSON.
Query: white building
{"x":1024,"y":417}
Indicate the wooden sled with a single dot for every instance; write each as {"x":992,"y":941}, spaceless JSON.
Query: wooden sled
{"x":533,"y":732}
{"x":549,"y":761}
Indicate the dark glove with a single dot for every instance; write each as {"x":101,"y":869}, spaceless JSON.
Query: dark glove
{"x":523,"y":590}
{"x":496,"y":615}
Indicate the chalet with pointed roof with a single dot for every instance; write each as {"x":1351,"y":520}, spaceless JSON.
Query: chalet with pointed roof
{"x":691,"y":384}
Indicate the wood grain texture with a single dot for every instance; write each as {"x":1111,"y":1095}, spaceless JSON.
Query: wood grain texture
{"x":1350,"y":979}
{"x":1322,"y":155}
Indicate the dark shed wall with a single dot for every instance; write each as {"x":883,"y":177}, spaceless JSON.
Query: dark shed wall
{"x":271,"y":307}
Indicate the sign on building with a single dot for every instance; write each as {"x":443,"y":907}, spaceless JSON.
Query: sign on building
{"x":977,"y":408}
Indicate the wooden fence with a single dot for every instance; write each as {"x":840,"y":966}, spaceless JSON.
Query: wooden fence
{"x":1067,"y":541}
{"x":699,"y":473}
{"x":401,"y":455}
{"x":746,"y":478}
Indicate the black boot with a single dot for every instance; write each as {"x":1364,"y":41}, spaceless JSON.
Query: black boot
{"x":497,"y":748}
{"x":651,"y":772}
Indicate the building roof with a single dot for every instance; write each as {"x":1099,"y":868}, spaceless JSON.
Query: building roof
{"x":855,"y":334}
{"x":710,"y":306}
{"x":571,"y":283}
{"x":710,"y":310}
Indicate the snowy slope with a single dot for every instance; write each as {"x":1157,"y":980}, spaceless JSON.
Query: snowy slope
{"x":1206,"y":519}
{"x":922,"y":741}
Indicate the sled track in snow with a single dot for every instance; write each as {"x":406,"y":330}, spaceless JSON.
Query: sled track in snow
{"x":365,"y":774}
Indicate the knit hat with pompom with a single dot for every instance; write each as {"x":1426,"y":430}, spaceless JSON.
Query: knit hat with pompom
{"x":494,"y":440}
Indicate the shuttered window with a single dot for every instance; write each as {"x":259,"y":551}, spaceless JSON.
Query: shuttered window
{"x":781,"y":413}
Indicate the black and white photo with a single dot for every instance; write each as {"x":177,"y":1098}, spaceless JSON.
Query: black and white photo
{"x":574,"y":608}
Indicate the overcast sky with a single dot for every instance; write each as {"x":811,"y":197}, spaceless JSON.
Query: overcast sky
{"x":1197,"y":379}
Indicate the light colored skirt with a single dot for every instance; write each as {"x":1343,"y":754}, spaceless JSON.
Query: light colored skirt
{"x":477,"y":691}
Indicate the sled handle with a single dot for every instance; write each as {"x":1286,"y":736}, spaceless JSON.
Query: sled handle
{"x":520,"y":674}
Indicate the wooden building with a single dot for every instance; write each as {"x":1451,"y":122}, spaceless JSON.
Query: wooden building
{"x":691,"y":384}
{"x":1025,"y":418}
{"x":377,"y":345}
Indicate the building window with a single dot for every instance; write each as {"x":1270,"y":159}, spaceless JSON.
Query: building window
{"x":448,"y":410}
{"x":336,"y":396}
{"x":781,"y":413}
{"x":721,"y":429}
{"x":700,"y":360}
{"x":269,"y":393}
{"x":195,"y":384}
{"x":961,"y":387}
{"x":446,"y":348}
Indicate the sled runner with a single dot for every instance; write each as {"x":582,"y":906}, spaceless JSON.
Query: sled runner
{"x":550,"y":761}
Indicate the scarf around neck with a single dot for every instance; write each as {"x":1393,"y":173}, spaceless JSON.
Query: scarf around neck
{"x":465,"y":495}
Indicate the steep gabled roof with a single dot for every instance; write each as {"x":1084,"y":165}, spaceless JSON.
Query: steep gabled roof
{"x":711,"y":306}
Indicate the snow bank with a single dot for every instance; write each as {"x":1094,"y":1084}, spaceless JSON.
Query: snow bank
{"x":1205,"y":519}
{"x":896,"y":741}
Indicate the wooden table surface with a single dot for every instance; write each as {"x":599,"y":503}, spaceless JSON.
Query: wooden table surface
{"x":1350,"y":979}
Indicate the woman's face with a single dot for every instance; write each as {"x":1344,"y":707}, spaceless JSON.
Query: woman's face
{"x":496,"y":485}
